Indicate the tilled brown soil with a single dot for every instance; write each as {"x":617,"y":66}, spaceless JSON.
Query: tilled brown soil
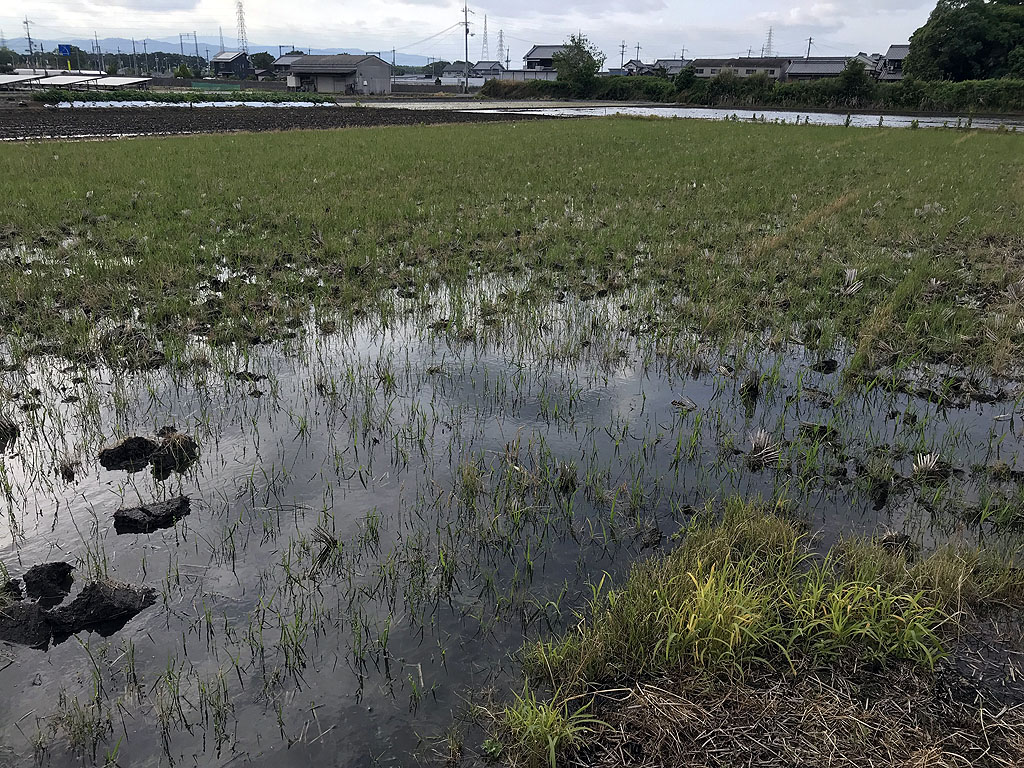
{"x":35,"y":123}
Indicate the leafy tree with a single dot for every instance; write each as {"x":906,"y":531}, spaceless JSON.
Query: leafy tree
{"x":295,"y":53}
{"x":262,"y":60}
{"x":686,"y":78}
{"x":112,"y":69}
{"x":183,"y":71}
{"x":578,"y":63}
{"x":854,"y":81}
{"x":435,"y":68}
{"x":7,"y":59}
{"x":1015,"y":62}
{"x":967,"y":40}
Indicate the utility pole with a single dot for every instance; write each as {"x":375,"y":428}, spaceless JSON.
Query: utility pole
{"x":638,"y":49}
{"x":465,"y":15}
{"x":135,"y":58}
{"x":145,"y":55}
{"x":809,"y":41}
{"x":392,"y":69}
{"x":28,"y":34}
{"x":221,"y":31}
{"x":98,"y":51}
{"x":622,"y":54}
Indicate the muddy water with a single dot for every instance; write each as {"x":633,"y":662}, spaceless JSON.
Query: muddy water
{"x":471,"y":472}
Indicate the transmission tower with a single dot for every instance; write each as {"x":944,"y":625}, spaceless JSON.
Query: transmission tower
{"x":768,"y":52}
{"x":243,"y":42}
{"x":221,"y":30}
{"x":485,"y":52}
{"x":28,"y":34}
{"x":501,"y":46}
{"x":3,"y":40}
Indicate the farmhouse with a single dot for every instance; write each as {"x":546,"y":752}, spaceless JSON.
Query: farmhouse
{"x":892,"y":65}
{"x":671,"y":67}
{"x":541,"y":57}
{"x":341,"y":73}
{"x":490,"y":70}
{"x":231,"y":64}
{"x":456,"y":69}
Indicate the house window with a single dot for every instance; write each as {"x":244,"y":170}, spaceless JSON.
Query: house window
{"x":751,"y":71}
{"x":714,"y":71}
{"x":700,"y":71}
{"x":771,"y":71}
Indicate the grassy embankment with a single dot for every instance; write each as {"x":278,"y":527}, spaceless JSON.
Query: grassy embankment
{"x":905,"y":243}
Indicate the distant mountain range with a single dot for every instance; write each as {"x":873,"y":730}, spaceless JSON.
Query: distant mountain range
{"x":211,"y":45}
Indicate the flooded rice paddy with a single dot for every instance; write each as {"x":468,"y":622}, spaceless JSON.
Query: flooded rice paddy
{"x":382,"y":509}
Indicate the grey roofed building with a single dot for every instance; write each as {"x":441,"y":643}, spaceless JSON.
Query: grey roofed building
{"x":816,"y":67}
{"x":341,"y":73}
{"x":820,"y":67}
{"x":542,"y":56}
{"x":891,"y":68}
{"x":456,"y":69}
{"x":231,"y":64}
{"x":284,"y":63}
{"x":672,"y":67}
{"x":897,"y":52}
{"x":487,"y":69}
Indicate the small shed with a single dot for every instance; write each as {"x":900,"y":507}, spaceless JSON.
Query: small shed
{"x":342,"y":73}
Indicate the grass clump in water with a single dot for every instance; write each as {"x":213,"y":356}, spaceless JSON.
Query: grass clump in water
{"x":737,"y":594}
{"x":743,"y":604}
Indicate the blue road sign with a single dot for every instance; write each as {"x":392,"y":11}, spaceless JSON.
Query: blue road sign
{"x":64,"y":50}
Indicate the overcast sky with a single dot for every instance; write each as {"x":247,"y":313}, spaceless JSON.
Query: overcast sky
{"x":661,"y":27}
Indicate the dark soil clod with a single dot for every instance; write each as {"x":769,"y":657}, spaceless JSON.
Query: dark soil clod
{"x":49,"y":583}
{"x":24,"y":624}
{"x":151,"y":517}
{"x":178,"y":453}
{"x":825,"y":366}
{"x":131,"y":454}
{"x":103,"y":607}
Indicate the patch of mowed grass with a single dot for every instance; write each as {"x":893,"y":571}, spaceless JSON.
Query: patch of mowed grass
{"x":743,"y":596}
{"x":741,"y":228}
